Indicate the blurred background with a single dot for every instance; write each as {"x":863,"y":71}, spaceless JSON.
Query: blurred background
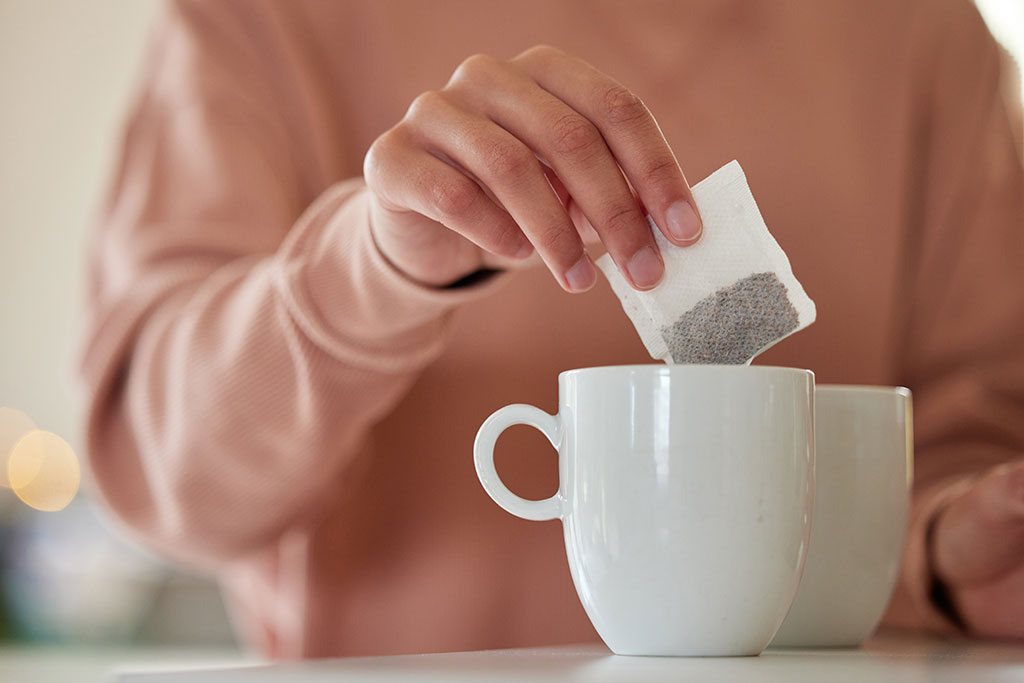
{"x":67,"y":71}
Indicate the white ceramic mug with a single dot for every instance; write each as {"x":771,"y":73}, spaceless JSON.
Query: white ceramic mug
{"x":863,"y":468}
{"x":685,"y":497}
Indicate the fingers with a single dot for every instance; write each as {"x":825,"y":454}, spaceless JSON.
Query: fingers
{"x":543,"y":148}
{"x":630,"y":131}
{"x":979,"y":537}
{"x":583,"y":164}
{"x":993,"y":609}
{"x":513,"y":174}
{"x":421,"y":182}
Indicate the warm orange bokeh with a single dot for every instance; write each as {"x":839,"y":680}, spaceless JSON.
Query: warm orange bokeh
{"x":43,"y":471}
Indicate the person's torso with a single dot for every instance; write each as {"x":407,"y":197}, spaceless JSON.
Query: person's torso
{"x":811,"y":98}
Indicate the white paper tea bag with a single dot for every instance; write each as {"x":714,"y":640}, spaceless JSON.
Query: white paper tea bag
{"x":725,"y":299}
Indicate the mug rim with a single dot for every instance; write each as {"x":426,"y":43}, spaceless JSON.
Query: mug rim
{"x":658,"y":368}
{"x":864,"y":389}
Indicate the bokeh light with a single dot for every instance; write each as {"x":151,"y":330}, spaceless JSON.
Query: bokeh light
{"x":43,"y":471}
{"x":14,"y":424}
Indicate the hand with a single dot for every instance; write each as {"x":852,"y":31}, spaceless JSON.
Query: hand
{"x":530,"y":153}
{"x":978,"y":553}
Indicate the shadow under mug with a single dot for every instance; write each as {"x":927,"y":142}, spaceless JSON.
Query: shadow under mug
{"x":864,"y":453}
{"x":685,"y":494}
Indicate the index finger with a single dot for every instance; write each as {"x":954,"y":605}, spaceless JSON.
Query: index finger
{"x":630,"y":132}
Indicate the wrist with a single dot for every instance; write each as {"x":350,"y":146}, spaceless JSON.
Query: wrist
{"x":348,"y":298}
{"x":421,"y":251}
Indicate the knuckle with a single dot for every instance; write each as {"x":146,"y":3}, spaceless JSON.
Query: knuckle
{"x":560,"y":243}
{"x":373,"y":159}
{"x":621,"y":105}
{"x":620,"y":219}
{"x":661,"y":170}
{"x":507,"y":160}
{"x":424,"y":105}
{"x":539,"y":52}
{"x":378,"y":157}
{"x":471,"y":68}
{"x":452,"y":198}
{"x":573,"y":134}
{"x":506,"y":239}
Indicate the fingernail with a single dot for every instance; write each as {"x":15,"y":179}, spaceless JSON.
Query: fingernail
{"x":683,"y":222}
{"x":525,"y":250}
{"x":581,"y":276}
{"x":645,"y":268}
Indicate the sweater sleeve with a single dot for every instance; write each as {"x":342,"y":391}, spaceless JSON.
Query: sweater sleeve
{"x":238,"y":346}
{"x":961,"y":335}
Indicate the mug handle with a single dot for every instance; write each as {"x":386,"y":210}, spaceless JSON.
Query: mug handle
{"x":483,"y":456}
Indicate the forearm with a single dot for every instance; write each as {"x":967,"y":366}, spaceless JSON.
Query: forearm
{"x":236,"y":402}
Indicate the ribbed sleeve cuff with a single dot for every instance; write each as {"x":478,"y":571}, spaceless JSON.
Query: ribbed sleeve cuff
{"x":349,"y":300}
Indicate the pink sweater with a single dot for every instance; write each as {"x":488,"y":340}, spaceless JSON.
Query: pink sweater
{"x":270,"y":401}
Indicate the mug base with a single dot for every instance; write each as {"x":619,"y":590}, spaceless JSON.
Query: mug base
{"x":685,"y":652}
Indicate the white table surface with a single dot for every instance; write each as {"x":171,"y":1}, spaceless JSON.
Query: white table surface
{"x":893,"y":658}
{"x":55,"y":663}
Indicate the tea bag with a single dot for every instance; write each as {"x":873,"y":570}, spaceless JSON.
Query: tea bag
{"x":725,"y":299}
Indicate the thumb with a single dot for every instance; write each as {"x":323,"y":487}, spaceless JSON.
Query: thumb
{"x":979,"y":537}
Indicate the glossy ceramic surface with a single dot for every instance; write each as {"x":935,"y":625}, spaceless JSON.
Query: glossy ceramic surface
{"x":685,"y":497}
{"x":864,"y":452}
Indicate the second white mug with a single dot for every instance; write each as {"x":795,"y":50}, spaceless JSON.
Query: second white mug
{"x":864,"y":454}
